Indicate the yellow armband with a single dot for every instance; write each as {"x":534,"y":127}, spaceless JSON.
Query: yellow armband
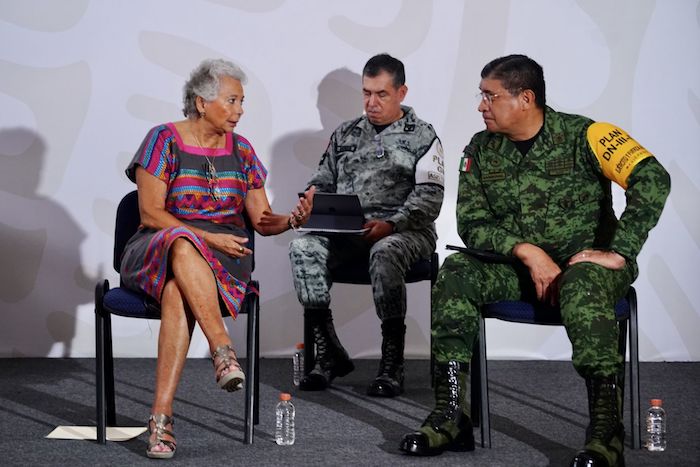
{"x":617,"y":152}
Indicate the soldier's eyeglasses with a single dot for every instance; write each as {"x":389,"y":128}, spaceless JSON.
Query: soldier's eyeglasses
{"x":379,"y":150}
{"x":486,"y":97}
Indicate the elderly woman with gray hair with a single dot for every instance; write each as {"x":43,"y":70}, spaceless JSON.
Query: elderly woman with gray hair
{"x":196,"y":178}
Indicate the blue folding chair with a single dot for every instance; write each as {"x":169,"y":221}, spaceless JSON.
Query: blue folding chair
{"x":538,"y":313}
{"x":127,"y":303}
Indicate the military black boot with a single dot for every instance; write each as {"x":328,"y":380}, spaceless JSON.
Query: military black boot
{"x":331,"y":358}
{"x":389,"y":380}
{"x":605,"y":434}
{"x":448,"y":427}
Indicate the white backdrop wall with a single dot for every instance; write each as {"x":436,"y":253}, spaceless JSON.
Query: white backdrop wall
{"x":82,"y":81}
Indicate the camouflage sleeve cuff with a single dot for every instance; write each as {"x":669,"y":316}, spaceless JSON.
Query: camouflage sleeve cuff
{"x":504,"y":243}
{"x":400,"y":222}
{"x":624,"y":248}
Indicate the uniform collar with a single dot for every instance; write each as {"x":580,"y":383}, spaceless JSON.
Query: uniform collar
{"x":406,"y":123}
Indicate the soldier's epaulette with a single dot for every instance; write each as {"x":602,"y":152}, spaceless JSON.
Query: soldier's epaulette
{"x":352,"y":128}
{"x":409,"y":127}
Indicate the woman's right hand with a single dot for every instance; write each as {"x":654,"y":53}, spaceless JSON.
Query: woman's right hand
{"x":302,"y":211}
{"x":231,"y":245}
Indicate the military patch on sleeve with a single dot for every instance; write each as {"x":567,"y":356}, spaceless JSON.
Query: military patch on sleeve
{"x":465,"y":164}
{"x":430,"y":167}
{"x":617,"y":152}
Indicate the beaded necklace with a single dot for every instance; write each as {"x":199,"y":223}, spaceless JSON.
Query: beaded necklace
{"x":210,"y":170}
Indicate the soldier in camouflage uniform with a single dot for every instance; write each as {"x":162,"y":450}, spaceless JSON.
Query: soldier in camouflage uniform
{"x":393,"y":161}
{"x":536,"y":186}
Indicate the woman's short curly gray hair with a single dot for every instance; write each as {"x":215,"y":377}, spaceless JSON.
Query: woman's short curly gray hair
{"x":204,"y":82}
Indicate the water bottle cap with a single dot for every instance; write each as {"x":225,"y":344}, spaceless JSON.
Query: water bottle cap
{"x":285,"y":396}
{"x":300,"y":345}
{"x":657,"y":402}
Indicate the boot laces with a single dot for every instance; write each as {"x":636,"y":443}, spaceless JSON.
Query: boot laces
{"x":447,"y":397}
{"x":391,"y":357}
{"x":603,"y":410}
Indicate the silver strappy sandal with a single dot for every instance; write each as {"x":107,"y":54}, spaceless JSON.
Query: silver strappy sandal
{"x":159,"y":423}
{"x":229,"y":375}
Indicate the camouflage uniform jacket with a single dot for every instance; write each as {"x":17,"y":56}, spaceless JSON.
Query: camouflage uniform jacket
{"x":398,"y":174}
{"x":555,"y":196}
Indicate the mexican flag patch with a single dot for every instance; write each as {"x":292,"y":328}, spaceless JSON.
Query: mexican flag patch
{"x":465,"y":164}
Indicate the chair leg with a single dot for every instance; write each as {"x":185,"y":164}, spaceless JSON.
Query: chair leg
{"x":256,"y":414}
{"x":475,"y":385}
{"x":622,"y":350}
{"x":634,"y":370}
{"x":110,"y":405}
{"x":251,"y":385}
{"x":485,"y":416}
{"x":99,"y":364}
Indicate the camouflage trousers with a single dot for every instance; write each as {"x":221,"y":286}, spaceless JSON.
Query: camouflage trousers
{"x":587,"y":297}
{"x":313,"y":257}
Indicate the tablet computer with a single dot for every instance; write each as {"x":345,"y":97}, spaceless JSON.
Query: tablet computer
{"x":335,"y":213}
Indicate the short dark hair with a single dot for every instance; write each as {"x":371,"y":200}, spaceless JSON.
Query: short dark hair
{"x":517,"y":73}
{"x":387,"y":63}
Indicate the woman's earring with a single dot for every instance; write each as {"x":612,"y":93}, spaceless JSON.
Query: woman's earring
{"x":202,"y":114}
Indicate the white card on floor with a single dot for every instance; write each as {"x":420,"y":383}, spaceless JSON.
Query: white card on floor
{"x":114,"y":433}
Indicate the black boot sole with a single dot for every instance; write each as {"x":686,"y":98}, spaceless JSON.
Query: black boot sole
{"x":410,"y":444}
{"x":317,"y":381}
{"x":383,"y":388}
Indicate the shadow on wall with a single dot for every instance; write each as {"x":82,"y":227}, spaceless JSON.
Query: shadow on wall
{"x":42,"y":281}
{"x":293,"y":160}
{"x":296,"y":155}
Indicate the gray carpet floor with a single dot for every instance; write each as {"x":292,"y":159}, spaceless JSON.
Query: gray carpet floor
{"x":538,"y":416}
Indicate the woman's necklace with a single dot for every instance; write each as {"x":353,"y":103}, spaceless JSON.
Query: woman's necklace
{"x":210,"y":170}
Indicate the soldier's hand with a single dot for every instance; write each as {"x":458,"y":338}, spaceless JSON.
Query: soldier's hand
{"x":543,"y":271}
{"x":377,"y":230}
{"x":607,"y":259}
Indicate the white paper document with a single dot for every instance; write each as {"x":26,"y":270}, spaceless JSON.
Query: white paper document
{"x":114,"y":433}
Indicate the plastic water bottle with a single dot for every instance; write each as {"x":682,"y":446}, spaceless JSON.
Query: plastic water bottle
{"x":284,"y":429}
{"x":656,"y":426}
{"x":298,"y":360}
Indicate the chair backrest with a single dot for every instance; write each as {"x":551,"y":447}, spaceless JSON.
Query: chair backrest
{"x":128,"y":221}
